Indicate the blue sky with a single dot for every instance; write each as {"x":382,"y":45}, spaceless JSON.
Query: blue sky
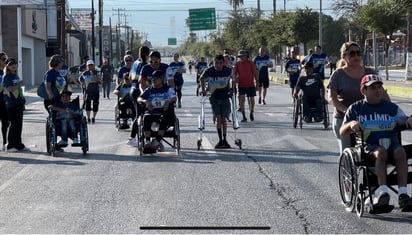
{"x":154,"y":18}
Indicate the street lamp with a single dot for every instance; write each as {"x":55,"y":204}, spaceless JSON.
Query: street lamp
{"x":320,"y":23}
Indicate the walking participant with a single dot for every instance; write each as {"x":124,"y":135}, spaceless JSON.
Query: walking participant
{"x":246,"y":78}
{"x":15,"y":101}
{"x":54,"y":81}
{"x":3,"y":109}
{"x":107,"y":74}
{"x":155,"y":64}
{"x":200,"y":67}
{"x":135,"y":72}
{"x":91,"y":79}
{"x":292,"y":67}
{"x":263,"y":62}
{"x":218,"y":78}
{"x":178,"y":68}
{"x":83,"y":66}
{"x":319,"y":60}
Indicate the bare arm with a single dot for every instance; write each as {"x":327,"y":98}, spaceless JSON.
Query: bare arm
{"x":333,"y":97}
{"x":350,"y":127}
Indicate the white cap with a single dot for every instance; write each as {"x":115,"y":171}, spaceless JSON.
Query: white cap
{"x":90,"y":62}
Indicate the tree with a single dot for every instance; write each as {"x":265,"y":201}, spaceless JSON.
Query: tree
{"x":384,"y":17}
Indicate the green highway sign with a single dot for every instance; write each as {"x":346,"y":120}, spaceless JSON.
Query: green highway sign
{"x":172,"y":41}
{"x":202,"y":19}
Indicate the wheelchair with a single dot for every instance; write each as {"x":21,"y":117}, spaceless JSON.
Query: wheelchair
{"x":297,"y":118}
{"x":124,"y":110}
{"x":173,"y":132}
{"x":358,"y":180}
{"x":53,"y":130}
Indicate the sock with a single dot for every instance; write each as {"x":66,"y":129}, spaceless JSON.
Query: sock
{"x":219,"y":133}
{"x":402,"y":190}
{"x":383,"y":189}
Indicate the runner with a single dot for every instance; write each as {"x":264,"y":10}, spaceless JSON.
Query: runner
{"x":178,"y":68}
{"x":263,"y":62}
{"x":292,"y":68}
{"x":319,"y":60}
{"x":200,"y":67}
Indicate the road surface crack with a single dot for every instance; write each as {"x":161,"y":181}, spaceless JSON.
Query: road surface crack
{"x":281,"y":192}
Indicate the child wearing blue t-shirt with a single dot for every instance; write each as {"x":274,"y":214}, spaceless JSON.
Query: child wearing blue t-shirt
{"x":378,"y":119}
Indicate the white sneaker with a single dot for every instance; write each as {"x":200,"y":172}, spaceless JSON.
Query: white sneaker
{"x":132,"y":142}
{"x":12,"y":150}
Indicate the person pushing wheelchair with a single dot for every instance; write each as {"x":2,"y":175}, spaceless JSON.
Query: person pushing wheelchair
{"x":159,"y":100}
{"x":313,"y":94}
{"x":378,"y":118}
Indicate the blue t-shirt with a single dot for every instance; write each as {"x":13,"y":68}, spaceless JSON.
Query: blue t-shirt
{"x":218,"y":81}
{"x":1,"y":86}
{"x":122,"y":71}
{"x":147,"y":71}
{"x":92,"y":86}
{"x":136,"y":69}
{"x":178,"y":76}
{"x":378,"y":120}
{"x":319,"y":62}
{"x":82,"y":68}
{"x":57,"y":81}
{"x":200,"y":67}
{"x":293,"y":67}
{"x":125,"y":92}
{"x":15,"y":98}
{"x":262,"y":63}
{"x":158,"y":97}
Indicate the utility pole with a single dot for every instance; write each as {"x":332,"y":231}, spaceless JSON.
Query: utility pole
{"x":118,"y":26}
{"x":111,"y":40}
{"x":408,"y":75}
{"x":93,"y":38}
{"x":63,"y":29}
{"x":101,"y":32}
{"x":274,"y":7}
{"x":320,"y":24}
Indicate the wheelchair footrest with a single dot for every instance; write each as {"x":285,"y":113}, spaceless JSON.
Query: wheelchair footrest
{"x":149,"y":151}
{"x":375,"y":209}
{"x":77,"y":145}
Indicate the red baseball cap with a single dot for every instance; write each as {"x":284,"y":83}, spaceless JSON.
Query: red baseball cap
{"x":369,"y":79}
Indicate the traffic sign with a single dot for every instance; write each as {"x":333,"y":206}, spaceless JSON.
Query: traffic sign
{"x":202,"y":19}
{"x":172,"y":41}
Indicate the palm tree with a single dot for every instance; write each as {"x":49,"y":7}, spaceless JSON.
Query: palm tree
{"x":235,"y":4}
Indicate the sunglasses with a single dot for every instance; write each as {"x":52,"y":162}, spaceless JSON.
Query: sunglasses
{"x":354,"y":53}
{"x":154,"y":61}
{"x":128,"y":60}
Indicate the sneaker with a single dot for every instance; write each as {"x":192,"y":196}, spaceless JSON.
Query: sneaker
{"x":89,"y":120}
{"x":264,"y":102}
{"x":132,"y":142}
{"x":160,"y":147}
{"x":260,"y":100}
{"x":244,"y":120}
{"x":225,"y":144}
{"x":93,"y":120}
{"x":12,"y":150}
{"x":252,"y":118}
{"x":75,"y":141}
{"x":318,"y":119}
{"x":154,"y":144}
{"x":382,"y":199}
{"x":62,"y":143}
{"x":123,"y":126}
{"x":219,"y":145}
{"x":307,"y":119}
{"x":404,"y":200}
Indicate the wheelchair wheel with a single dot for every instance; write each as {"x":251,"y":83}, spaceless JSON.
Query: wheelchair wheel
{"x":140,"y":136}
{"x":360,"y":204}
{"x":176,"y":139}
{"x":348,"y":178}
{"x":326,"y":121}
{"x":117,"y":117}
{"x":296,"y":112}
{"x":84,"y":136}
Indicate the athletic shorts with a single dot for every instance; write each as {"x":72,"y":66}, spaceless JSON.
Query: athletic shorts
{"x":248,"y":91}
{"x":292,"y":82}
{"x":264,"y":82}
{"x":220,"y":108}
{"x":394,"y":144}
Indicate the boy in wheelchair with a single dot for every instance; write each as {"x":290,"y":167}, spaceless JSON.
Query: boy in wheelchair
{"x":159,"y":100}
{"x":377,"y":118}
{"x":124,"y":92}
{"x":66,"y":113}
{"x":313,"y":93}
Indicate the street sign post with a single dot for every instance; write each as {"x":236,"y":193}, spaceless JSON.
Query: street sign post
{"x":172,"y":41}
{"x":202,"y":19}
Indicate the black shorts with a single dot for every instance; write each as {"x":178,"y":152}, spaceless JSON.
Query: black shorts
{"x":248,"y":91}
{"x":264,"y":82}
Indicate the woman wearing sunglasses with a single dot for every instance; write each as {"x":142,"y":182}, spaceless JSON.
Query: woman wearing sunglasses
{"x":344,"y":86}
{"x":155,"y":63}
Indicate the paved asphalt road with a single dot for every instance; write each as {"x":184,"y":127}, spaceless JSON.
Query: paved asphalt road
{"x":284,"y":179}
